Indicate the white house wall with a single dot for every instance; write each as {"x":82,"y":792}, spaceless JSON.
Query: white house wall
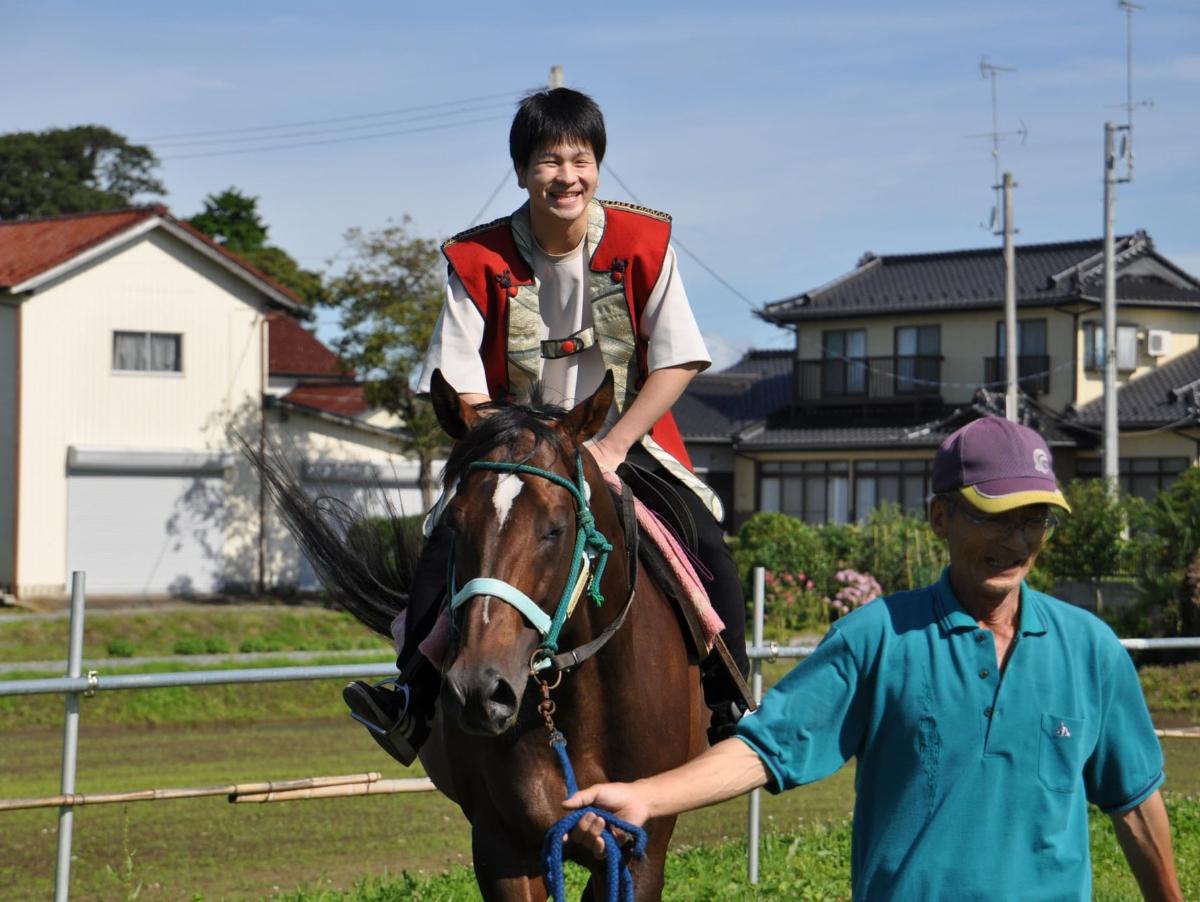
{"x":8,"y":425}
{"x":313,"y":440}
{"x":70,"y":395}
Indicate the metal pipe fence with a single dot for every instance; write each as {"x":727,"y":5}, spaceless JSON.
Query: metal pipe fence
{"x":77,"y":684}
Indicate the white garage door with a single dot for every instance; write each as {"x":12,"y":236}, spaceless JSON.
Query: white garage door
{"x":146,"y":533}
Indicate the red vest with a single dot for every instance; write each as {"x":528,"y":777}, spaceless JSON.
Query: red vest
{"x":490,"y":267}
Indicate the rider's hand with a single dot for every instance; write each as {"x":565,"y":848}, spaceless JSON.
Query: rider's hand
{"x":621,"y":799}
{"x":607,"y":457}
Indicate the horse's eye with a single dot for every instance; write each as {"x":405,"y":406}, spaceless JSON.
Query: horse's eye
{"x":553,"y":533}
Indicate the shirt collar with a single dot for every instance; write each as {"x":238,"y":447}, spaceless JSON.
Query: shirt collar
{"x":954,"y":617}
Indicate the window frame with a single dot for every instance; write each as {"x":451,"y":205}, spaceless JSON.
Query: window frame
{"x":148,"y":336}
{"x":1093,"y":355}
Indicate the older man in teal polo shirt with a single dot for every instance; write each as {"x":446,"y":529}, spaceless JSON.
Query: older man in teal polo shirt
{"x":983,"y":715}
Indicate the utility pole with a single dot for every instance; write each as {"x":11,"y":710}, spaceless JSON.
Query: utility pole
{"x":1111,"y":458}
{"x":1010,"y":304}
{"x":1004,"y":188}
{"x":1111,"y":426}
{"x":556,"y":77}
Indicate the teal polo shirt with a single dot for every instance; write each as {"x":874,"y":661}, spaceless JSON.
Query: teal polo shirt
{"x":971,"y":784}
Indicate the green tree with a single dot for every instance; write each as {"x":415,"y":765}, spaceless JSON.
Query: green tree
{"x":232,"y":218}
{"x":388,"y":299}
{"x":73,"y":170}
{"x":1089,"y":544}
{"x":1165,"y":552}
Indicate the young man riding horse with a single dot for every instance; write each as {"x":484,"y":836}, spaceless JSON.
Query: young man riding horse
{"x":565,"y":289}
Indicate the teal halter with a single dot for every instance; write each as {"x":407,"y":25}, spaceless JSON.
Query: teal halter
{"x":590,"y":544}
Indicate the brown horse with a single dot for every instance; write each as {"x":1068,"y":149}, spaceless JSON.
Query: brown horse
{"x":631,"y":710}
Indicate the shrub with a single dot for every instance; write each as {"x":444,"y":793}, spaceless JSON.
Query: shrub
{"x":783,"y":544}
{"x":856,"y":590}
{"x":792,"y":602}
{"x":121,"y":648}
{"x":216,"y":645}
{"x":1089,"y":544}
{"x":900,"y":550}
{"x":258,"y":644}
{"x":190,"y":645}
{"x":1164,"y":553}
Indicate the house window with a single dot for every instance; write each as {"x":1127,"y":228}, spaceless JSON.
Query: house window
{"x":903,"y":482}
{"x":147,"y":352}
{"x":843,"y":368}
{"x":817,"y":491}
{"x":918,"y":358}
{"x":1144,"y":477}
{"x":1093,"y":347}
{"x":1031,"y":338}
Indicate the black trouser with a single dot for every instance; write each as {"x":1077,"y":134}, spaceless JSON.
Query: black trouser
{"x":655,"y":487}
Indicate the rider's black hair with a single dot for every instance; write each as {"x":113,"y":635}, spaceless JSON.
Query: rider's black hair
{"x":554,"y":116}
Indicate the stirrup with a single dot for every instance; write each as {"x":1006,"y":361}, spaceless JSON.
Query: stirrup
{"x":378,"y":729}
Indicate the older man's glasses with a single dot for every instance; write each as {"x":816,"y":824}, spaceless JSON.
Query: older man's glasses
{"x":1034,"y":528}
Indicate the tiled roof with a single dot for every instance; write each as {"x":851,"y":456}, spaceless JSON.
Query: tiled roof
{"x":341,"y":398}
{"x":1167,"y":394}
{"x":717,"y":405}
{"x":294,"y":351}
{"x":957,"y":280}
{"x":798,"y":433}
{"x":30,"y":247}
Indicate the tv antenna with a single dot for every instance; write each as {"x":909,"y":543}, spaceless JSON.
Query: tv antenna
{"x":1126,"y":150}
{"x":990,"y":71}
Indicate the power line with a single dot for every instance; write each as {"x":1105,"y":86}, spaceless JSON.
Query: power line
{"x":679,"y":244}
{"x":296,"y":145}
{"x":297,"y":124}
{"x":487,"y":203}
{"x":308,"y":133}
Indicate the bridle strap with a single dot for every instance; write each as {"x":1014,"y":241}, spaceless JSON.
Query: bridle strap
{"x":590,"y":542}
{"x":498,"y":588}
{"x":576,"y":656}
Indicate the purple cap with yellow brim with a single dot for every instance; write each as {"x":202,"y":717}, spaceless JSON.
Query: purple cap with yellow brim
{"x":997,"y":465}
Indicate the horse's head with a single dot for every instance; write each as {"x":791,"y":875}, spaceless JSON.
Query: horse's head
{"x":514,"y":541}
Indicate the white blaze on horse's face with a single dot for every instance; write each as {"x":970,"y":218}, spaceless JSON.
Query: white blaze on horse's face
{"x":508,"y":487}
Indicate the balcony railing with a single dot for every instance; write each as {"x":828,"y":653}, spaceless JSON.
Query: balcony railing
{"x":1033,"y":373}
{"x":853,"y":379}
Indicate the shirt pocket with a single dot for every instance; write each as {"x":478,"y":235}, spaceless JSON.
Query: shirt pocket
{"x":1061,"y":750}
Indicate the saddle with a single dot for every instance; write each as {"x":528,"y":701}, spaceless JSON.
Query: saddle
{"x":670,"y":557}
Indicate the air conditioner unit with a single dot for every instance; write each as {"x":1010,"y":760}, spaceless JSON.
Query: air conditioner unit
{"x":1156,"y":342}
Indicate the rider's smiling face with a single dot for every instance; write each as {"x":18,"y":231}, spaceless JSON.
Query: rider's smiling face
{"x":560,"y":180}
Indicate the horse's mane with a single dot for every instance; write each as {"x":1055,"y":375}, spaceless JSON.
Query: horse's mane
{"x":501,"y":426}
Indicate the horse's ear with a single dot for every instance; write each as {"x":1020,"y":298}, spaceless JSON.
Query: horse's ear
{"x":456,"y":416}
{"x":589,"y":415}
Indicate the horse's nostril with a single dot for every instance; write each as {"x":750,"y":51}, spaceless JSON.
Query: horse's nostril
{"x":503,"y":695}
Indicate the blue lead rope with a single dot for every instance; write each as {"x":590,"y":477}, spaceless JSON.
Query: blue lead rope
{"x":620,"y":879}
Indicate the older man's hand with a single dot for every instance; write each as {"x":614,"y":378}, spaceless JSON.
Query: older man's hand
{"x":621,"y":799}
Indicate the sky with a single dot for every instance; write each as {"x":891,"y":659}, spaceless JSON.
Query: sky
{"x":786,"y":139}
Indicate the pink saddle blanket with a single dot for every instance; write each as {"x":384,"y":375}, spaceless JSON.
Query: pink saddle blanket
{"x":436,"y":644}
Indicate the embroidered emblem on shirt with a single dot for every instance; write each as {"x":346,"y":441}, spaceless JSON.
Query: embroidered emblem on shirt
{"x":1062,"y":732}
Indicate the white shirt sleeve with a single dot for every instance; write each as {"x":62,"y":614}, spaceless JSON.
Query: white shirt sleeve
{"x":454,"y":347}
{"x":669,"y":325}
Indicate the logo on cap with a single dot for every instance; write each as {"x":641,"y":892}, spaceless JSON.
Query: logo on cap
{"x":1041,"y":462}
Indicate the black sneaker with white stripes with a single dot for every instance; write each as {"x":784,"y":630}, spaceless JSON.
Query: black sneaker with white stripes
{"x":391,"y":715}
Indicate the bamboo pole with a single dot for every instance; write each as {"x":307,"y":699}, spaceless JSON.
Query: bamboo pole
{"x":377,"y":787}
{"x":188,"y":792}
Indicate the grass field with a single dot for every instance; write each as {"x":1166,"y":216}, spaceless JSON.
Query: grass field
{"x":217,"y":735}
